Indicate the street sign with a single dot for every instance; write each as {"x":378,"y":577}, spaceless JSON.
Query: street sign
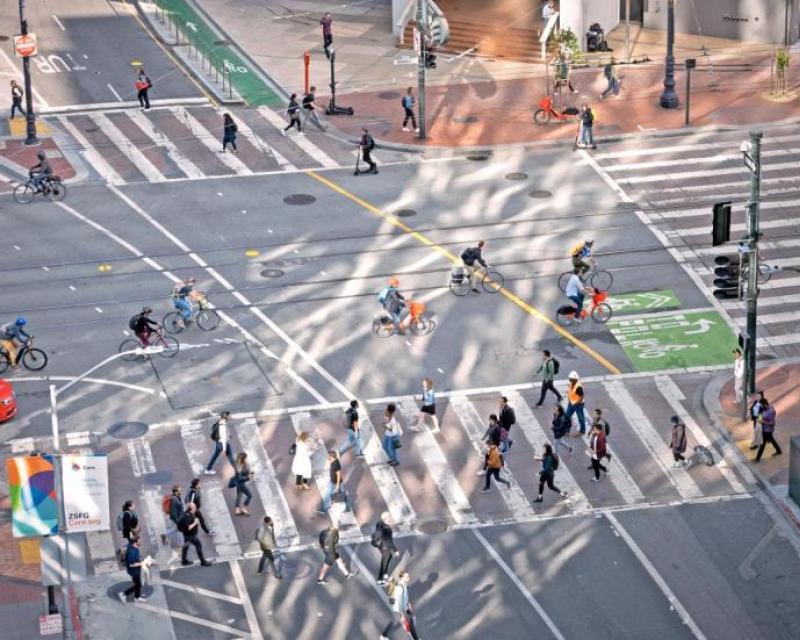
{"x":50,"y":624}
{"x":25,"y":46}
{"x":417,"y":42}
{"x":750,"y":163}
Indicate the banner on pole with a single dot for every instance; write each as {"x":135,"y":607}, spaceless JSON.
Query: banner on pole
{"x":84,"y":485}
{"x":32,"y":490}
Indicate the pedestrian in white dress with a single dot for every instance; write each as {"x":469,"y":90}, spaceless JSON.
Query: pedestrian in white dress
{"x":738,"y":375}
{"x":301,"y":465}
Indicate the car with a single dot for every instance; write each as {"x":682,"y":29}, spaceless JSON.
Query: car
{"x":8,"y":401}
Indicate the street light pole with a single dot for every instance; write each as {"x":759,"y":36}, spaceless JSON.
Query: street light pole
{"x":627,"y":30}
{"x":30,"y":117}
{"x":421,"y":27}
{"x":669,"y":99}
{"x":753,"y":233}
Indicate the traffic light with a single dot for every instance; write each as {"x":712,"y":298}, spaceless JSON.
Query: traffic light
{"x":721,"y":228}
{"x":726,"y":278}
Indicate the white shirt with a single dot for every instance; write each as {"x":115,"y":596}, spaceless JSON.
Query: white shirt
{"x":223,"y":432}
{"x":574,"y":286}
{"x":738,"y":368}
{"x":393,"y":427}
{"x":548,"y":11}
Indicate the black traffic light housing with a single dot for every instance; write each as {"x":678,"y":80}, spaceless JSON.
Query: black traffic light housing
{"x":726,"y":278}
{"x":721,"y":223}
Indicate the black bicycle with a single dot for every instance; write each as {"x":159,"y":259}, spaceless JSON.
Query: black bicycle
{"x":28,"y":356}
{"x":50,"y":188}
{"x":597,"y":279}
{"x":491,"y":281}
{"x":204,"y":316}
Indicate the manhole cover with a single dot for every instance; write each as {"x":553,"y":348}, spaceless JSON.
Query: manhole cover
{"x":540,"y":193}
{"x":158,"y":477}
{"x":465,"y":119}
{"x":127,"y":430}
{"x":405,"y":213}
{"x":516,"y":176}
{"x":432,"y":526}
{"x":299,"y":199}
{"x":5,"y":38}
{"x":627,"y":206}
{"x":388,"y":95}
{"x":272,"y":273}
{"x":477,"y":158}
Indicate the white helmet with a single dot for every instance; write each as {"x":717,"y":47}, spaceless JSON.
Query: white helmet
{"x":573,"y":375}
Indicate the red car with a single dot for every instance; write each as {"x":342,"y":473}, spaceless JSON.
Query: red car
{"x":8,"y":401}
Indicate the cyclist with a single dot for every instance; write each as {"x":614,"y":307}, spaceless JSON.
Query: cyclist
{"x":181,"y":295}
{"x":394,"y":304}
{"x":581,"y":256}
{"x":143,"y":326}
{"x":469,"y":257}
{"x":41,"y":171}
{"x":11,"y":335}
{"x":576,"y":292}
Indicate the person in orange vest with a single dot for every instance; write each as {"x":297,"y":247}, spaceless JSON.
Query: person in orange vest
{"x":143,"y":85}
{"x":575,"y":400}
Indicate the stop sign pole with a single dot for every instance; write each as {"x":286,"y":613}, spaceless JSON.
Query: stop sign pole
{"x":421,"y":29}
{"x":30,"y":117}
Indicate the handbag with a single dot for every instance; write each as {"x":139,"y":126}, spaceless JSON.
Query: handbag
{"x":758,"y":435}
{"x":232,"y":482}
{"x":293,"y":449}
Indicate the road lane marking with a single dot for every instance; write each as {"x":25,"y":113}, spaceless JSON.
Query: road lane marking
{"x":113,"y":383}
{"x":211,"y":142}
{"x":656,"y":577}
{"x":189,"y":168}
{"x":108,"y":173}
{"x":262,"y":145}
{"x":247,"y":604}
{"x":203,"y":622}
{"x":58,"y":22}
{"x":301,"y":141}
{"x":200,"y":591}
{"x":452,"y":258}
{"x":114,"y":91}
{"x":141,"y":456}
{"x":127,"y":148}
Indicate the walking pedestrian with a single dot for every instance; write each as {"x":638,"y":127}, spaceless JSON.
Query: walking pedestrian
{"x":428,"y":405}
{"x":16,"y":99}
{"x":561,"y":427}
{"x":143,"y":85}
{"x":243,"y":475}
{"x":301,"y":465}
{"x":195,"y":497}
{"x":383,"y":541}
{"x":547,"y":473}
{"x":587,"y":121}
{"x":678,"y":442}
{"x":335,"y":480}
{"x":329,"y":543}
{"x":188,"y":526}
{"x":265,"y":535}
{"x":133,"y":565}
{"x":353,"y":431}
{"x":768,"y":420}
{"x":327,"y":34}
{"x":600,"y":421}
{"x":563,"y":73}
{"x":597,"y":451}
{"x":365,"y":146}
{"x":738,"y":376}
{"x":575,"y":400}
{"x":408,"y":106}
{"x":229,"y":131}
{"x":493,"y":462}
{"x":402,"y":612}
{"x":391,"y":434}
{"x":612,"y":80}
{"x":310,"y":108}
{"x":129,"y":521}
{"x":219,"y":434}
{"x":547,"y":370}
{"x":293,"y":111}
{"x":492,"y":433}
{"x":177,"y":507}
{"x":755,"y":411}
{"x":507,"y":419}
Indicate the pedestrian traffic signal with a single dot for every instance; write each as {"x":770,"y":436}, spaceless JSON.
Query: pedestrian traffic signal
{"x":721,"y":226}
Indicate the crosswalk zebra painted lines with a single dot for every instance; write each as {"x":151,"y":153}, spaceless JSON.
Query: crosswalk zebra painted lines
{"x":186,"y":165}
{"x":264,"y":146}
{"x":93,"y":157}
{"x":211,"y":142}
{"x":301,"y":141}
{"x":128,"y":148}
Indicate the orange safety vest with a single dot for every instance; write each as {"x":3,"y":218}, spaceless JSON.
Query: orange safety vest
{"x":572,"y":393}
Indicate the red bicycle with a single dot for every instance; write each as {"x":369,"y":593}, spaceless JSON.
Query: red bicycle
{"x":546,"y":112}
{"x":599,"y":309}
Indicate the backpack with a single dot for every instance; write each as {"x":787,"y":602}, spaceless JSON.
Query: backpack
{"x":323,"y":538}
{"x":133,"y":321}
{"x":370,"y":143}
{"x":468,"y":255}
{"x":377,"y":536}
{"x":607,"y":428}
{"x":494,"y":459}
{"x":556,"y":366}
{"x":166,"y":504}
{"x":407,"y":101}
{"x":556,"y":462}
{"x":391,"y":586}
{"x":215,"y":431}
{"x":383,"y":295}
{"x":120,"y":519}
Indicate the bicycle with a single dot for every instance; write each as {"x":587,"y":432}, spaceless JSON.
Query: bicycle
{"x":50,"y":188}
{"x":31,"y":358}
{"x":599,"y":310}
{"x":170,"y":346}
{"x":547,"y":112}
{"x":383,"y":326}
{"x":598,"y":278}
{"x":205,"y":317}
{"x":491,"y":281}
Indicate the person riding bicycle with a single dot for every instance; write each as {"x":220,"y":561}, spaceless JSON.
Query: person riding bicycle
{"x":394,"y":304}
{"x":182,"y":293}
{"x":40,"y":172}
{"x":11,"y":335}
{"x":581,"y":256}
{"x":143,"y":326}
{"x":469,"y":257}
{"x":576,"y":292}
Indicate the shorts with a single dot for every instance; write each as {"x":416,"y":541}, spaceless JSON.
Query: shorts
{"x":330,"y":559}
{"x":430,"y":409}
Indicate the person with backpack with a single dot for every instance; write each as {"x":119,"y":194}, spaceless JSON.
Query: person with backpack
{"x":428,"y":406}
{"x":597,"y":451}
{"x":548,"y":370}
{"x":189,"y":525}
{"x":329,"y":543}
{"x":547,"y":474}
{"x":561,"y":426}
{"x":220,"y":436}
{"x":229,"y":131}
{"x":293,"y":111}
{"x":335,"y":488}
{"x":613,"y":82}
{"x":366,"y":145}
{"x":133,"y":565}
{"x":600,"y":421}
{"x":391,"y":435}
{"x":755,"y":412}
{"x":408,"y":106}
{"x":768,"y":420}
{"x":128,"y":521}
{"x":492,"y":433}
{"x":677,"y":442}
{"x":469,"y":257}
{"x":195,"y":497}
{"x":383,"y":540}
{"x":142,"y":326}
{"x":493,"y":462}
{"x":265,"y":535}
{"x":575,"y":400}
{"x":507,"y":419}
{"x":353,"y":431}
{"x":143,"y":85}
{"x":587,"y":122}
{"x":402,"y":611}
{"x":394,"y":304}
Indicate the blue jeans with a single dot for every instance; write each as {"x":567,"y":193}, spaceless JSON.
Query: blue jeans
{"x":353,"y":439}
{"x":578,"y":300}
{"x":505,"y":445}
{"x":182,"y":304}
{"x":577,"y":408}
{"x":217,"y":451}
{"x":586,"y":136}
{"x":243,"y":490}
{"x":389,"y":445}
{"x":328,"y":496}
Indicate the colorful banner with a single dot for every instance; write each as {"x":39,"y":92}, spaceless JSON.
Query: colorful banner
{"x":32,"y":488}
{"x":84,"y":486}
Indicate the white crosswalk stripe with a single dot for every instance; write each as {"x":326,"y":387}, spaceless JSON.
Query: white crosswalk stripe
{"x":187,"y":166}
{"x":128,"y":148}
{"x":262,"y":145}
{"x":301,"y":141}
{"x":211,"y":142}
{"x":92,"y":156}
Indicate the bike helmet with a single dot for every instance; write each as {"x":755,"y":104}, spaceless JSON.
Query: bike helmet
{"x":41,"y":155}
{"x":394,"y":282}
{"x":589,"y":242}
{"x":21,"y":321}
{"x":146,"y":310}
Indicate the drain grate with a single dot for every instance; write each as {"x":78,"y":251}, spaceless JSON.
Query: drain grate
{"x":389,"y":95}
{"x":516,"y":176}
{"x":627,"y":206}
{"x":272,"y":273}
{"x":540,"y":193}
{"x":128,"y":430}
{"x":432,"y":526}
{"x":300,"y":199}
{"x":405,"y":213}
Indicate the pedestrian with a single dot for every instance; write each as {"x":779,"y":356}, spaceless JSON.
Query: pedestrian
{"x":143,"y":85}
{"x":133,"y":564}
{"x":365,"y":146}
{"x":327,"y":34}
{"x":229,"y":129}
{"x":195,"y":497}
{"x":129,"y":521}
{"x":353,"y":431}
{"x":548,"y":9}
{"x":243,"y":475}
{"x":493,"y":462}
{"x":507,"y":419}
{"x":177,"y":507}
{"x":587,"y":121}
{"x":492,"y":433}
{"x":600,"y":421}
{"x":220,"y":435}
{"x":597,"y":451}
{"x":16,"y":99}
{"x":428,"y":405}
{"x":612,"y":80}
{"x":293,"y":111}
{"x":563,"y":73}
{"x":408,"y":106}
{"x":383,"y":541}
{"x":575,"y":401}
{"x":547,"y":474}
{"x":755,"y":411}
{"x":402,"y":612}
{"x":265,"y":535}
{"x":329,"y":543}
{"x":188,"y":526}
{"x":310,"y":108}
{"x":391,"y":434}
{"x":678,"y":442}
{"x":335,"y":488}
{"x":768,"y":419}
{"x":301,"y":465}
{"x":738,"y":376}
{"x":547,"y":370}
{"x":561,"y":428}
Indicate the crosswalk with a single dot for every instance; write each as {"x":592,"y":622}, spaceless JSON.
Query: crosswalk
{"x":438,"y":477}
{"x":176,"y":142}
{"x":675,"y":181}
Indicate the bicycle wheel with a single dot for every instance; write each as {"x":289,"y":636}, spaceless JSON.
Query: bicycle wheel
{"x":601,"y":280}
{"x":420,"y":326}
{"x":602,"y":313}
{"x":207,"y":319}
{"x":492,"y":281}
{"x":564,"y":319}
{"x":563,"y":279}
{"x":57,"y":190}
{"x":34,"y":359}
{"x":460,"y":288}
{"x":4,"y":363}
{"x":764,"y":273}
{"x":129,"y":344}
{"x":23,"y":193}
{"x":170,"y":344}
{"x":171,"y":324}
{"x":540,"y":116}
{"x":382,"y":327}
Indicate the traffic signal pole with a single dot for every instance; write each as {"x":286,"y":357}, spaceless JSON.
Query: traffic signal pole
{"x":30,"y":117}
{"x":421,"y":28}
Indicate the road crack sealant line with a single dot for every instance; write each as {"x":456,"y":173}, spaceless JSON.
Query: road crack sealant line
{"x":453,"y":259}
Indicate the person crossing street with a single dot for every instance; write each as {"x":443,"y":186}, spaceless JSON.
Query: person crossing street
{"x":550,"y":463}
{"x":366,"y":146}
{"x":575,"y":400}
{"x":547,"y":370}
{"x":383,"y":541}
{"x":265,"y":536}
{"x":195,"y":497}
{"x":329,"y":544}
{"x":493,"y":463}
{"x":188,"y":525}
{"x":220,"y":435}
{"x":353,"y":431}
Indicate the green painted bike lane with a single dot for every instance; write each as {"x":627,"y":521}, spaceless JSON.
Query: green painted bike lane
{"x":247,"y":83}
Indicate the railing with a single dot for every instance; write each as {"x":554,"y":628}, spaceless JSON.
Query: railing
{"x":552,"y":21}
{"x":405,"y":16}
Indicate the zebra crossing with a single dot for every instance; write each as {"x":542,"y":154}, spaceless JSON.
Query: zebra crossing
{"x":675,"y":181}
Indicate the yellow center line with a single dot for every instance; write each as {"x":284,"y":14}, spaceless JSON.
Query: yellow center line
{"x":423,"y":239}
